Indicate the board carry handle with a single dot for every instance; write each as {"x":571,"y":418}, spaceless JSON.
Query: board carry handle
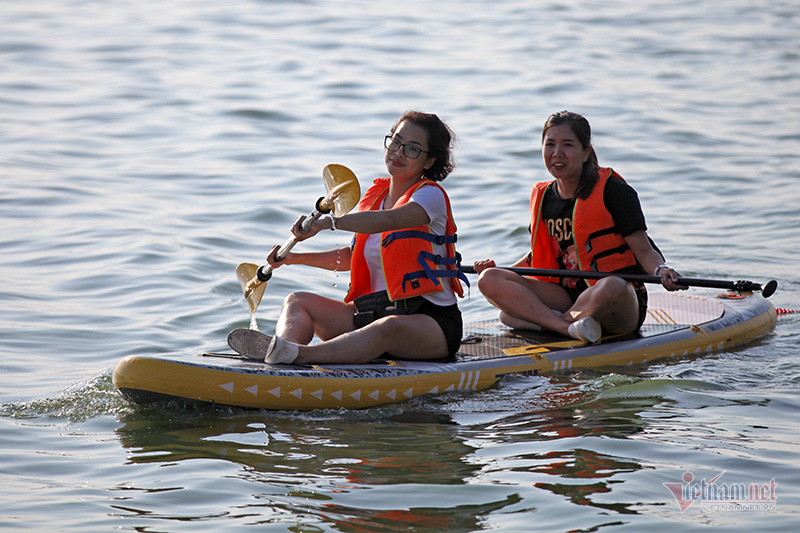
{"x":738,"y":286}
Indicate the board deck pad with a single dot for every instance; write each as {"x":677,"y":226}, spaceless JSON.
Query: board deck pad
{"x":665,"y":312}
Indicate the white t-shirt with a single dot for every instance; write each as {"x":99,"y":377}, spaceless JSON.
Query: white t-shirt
{"x":432,"y":200}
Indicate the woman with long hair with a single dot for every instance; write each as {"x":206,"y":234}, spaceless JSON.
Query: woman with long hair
{"x":586,"y":218}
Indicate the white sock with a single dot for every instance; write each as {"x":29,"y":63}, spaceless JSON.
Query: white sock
{"x":281,"y":351}
{"x":587,"y":329}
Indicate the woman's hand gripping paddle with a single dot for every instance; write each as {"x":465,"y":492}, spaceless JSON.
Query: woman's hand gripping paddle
{"x":343,"y":193}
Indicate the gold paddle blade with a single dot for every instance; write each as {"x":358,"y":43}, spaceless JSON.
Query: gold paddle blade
{"x":246,"y":272}
{"x":347,"y":197}
{"x":332,"y":202}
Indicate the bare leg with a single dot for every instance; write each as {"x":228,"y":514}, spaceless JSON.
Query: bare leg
{"x":612,"y":302}
{"x":389,"y":334}
{"x":305,"y":314}
{"x":527,"y":298}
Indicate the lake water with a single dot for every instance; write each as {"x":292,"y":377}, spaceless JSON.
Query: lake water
{"x":147,"y":148}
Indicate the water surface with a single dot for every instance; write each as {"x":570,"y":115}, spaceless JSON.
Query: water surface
{"x":147,"y":148}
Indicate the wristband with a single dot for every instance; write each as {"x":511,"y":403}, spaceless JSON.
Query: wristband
{"x":659,"y":267}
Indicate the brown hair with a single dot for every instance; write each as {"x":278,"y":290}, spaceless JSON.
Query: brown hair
{"x":440,"y":141}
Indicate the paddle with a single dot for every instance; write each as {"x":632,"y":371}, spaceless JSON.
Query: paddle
{"x":343,"y":193}
{"x":739,"y":286}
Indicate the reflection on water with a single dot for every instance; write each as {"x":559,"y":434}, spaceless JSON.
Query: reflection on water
{"x":310,"y":465}
{"x":317,"y":463}
{"x":583,"y":464}
{"x":341,"y":448}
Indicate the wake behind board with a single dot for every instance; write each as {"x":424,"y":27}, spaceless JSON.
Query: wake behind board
{"x":677,"y":325}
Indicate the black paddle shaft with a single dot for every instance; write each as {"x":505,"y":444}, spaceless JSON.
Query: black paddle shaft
{"x":739,"y":286}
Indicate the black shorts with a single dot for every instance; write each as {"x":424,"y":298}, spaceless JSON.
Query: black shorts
{"x":376,"y":305}
{"x":449,"y":319}
{"x":641,"y":296}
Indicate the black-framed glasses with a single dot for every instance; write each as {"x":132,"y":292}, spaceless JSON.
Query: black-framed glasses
{"x":410,"y":151}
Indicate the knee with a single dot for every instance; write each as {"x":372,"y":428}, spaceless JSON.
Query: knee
{"x":298,"y":300}
{"x":613,"y":287}
{"x":391,"y":326}
{"x":390,"y":323}
{"x":489,"y":280}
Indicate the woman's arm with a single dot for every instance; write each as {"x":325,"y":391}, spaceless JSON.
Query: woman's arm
{"x":405,"y":216}
{"x":651,"y":260}
{"x":524,"y":261}
{"x":335,"y":259}
{"x":408,"y":215}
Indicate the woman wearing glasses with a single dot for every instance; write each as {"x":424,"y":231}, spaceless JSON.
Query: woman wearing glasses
{"x":404,"y":270}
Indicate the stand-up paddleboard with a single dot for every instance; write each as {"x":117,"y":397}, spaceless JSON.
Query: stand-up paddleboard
{"x":677,"y":325}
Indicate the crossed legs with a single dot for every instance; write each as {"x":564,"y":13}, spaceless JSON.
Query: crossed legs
{"x":611,"y":301}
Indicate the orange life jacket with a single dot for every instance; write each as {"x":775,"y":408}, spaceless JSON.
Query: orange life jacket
{"x":598,"y":245}
{"x":408,"y":262}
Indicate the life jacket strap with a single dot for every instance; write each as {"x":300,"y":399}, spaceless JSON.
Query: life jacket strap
{"x":424,"y":258}
{"x":416,"y":234}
